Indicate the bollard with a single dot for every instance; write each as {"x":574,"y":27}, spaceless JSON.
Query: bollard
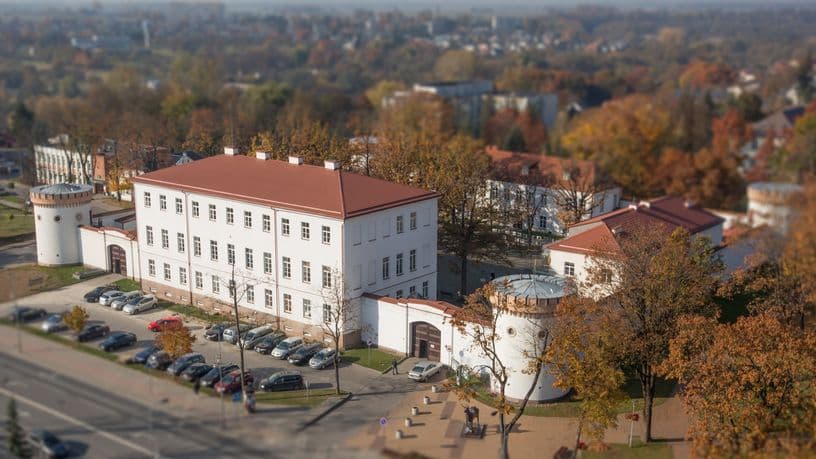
{"x":398,"y":435}
{"x":435,"y":389}
{"x":426,"y":400}
{"x":414,"y":410}
{"x":408,"y":422}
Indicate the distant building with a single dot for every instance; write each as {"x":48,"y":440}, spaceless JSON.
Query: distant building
{"x":776,"y":126}
{"x":55,"y":163}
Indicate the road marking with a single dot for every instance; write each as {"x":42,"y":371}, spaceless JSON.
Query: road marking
{"x":78,"y":422}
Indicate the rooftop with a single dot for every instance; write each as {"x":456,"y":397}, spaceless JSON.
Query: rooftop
{"x":62,"y":188}
{"x":531,"y":286}
{"x":298,"y":187}
{"x":511,"y":166}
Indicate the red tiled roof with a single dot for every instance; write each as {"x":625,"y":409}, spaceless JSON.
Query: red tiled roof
{"x":103,"y":229}
{"x":508,"y":165}
{"x":443,"y":306}
{"x":305,"y":188}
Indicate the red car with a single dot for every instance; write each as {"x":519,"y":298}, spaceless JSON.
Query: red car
{"x":161,"y":324}
{"x":231,"y":382}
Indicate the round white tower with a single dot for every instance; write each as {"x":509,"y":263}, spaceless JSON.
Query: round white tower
{"x":59,"y":210}
{"x":525,"y":304}
{"x":769,"y":204}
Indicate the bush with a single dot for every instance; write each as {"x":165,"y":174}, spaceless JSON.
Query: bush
{"x":11,"y":185}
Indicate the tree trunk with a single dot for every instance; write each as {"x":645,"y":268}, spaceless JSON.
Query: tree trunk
{"x":578,"y":437}
{"x":504,"y":452}
{"x":647,"y":382}
{"x":463,"y":276}
{"x":337,"y":368}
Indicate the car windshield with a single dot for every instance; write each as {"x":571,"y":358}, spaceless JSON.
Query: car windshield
{"x":283,"y":345}
{"x":418,"y":369}
{"x":325,"y":353}
{"x":135,"y":300}
{"x":54,"y":318}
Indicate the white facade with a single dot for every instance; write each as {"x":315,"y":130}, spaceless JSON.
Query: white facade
{"x":96,"y":245}
{"x":55,"y":164}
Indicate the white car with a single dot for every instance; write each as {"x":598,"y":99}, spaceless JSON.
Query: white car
{"x":424,"y":369}
{"x":286,"y":347}
{"x":121,"y":301}
{"x":106,"y":298}
{"x":139,"y":304}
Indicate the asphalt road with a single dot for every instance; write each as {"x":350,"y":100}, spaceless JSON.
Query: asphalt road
{"x":99,"y":424}
{"x":18,"y":253}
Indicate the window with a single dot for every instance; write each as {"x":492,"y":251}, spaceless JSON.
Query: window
{"x":399,"y":264}
{"x":216,"y":285}
{"x":178,"y":206}
{"x":166,"y":271}
{"x":180,"y":242}
{"x":249,"y":259}
{"x":399,"y":294}
{"x":412,"y":221}
{"x":183,"y":276}
{"x":230,"y":254}
{"x":327,"y":277}
{"x":269,"y":298}
{"x":326,"y":234}
{"x":412,"y":291}
{"x":146,"y":199}
{"x":285,"y":226}
{"x":199,"y":280}
{"x":304,"y":231}
{"x":151,"y":267}
{"x":230,"y":216}
{"x":412,"y":260}
{"x":212,"y":212}
{"x":542,"y":221}
{"x":214,"y":250}
{"x":307,"y":308}
{"x":149,"y":235}
{"x":266,"y":223}
{"x":399,"y":224}
{"x":287,"y":303}
{"x":327,"y":313}
{"x":287,"y":268}
{"x":569,"y":268}
{"x":195,"y":209}
{"x":386,"y":268}
{"x":247,"y":219}
{"x":162,"y":202}
{"x":424,"y":289}
{"x":267,"y":260}
{"x":196,"y":246}
{"x":165,"y":239}
{"x":250,"y":294}
{"x":306,"y":272}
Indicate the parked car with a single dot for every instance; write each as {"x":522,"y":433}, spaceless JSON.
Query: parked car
{"x":119,"y":302}
{"x":54,"y":323}
{"x":159,"y":361}
{"x":251,"y":338}
{"x":44,"y":443}
{"x":140,"y":304}
{"x":160,"y":324}
{"x":195,"y":371}
{"x":107,"y":298}
{"x":117,"y":340}
{"x":93,"y":295}
{"x":26,"y":314}
{"x":266,"y":344}
{"x":304,"y":353}
{"x":424,"y":369}
{"x":215,"y":332}
{"x":88,"y":273}
{"x":282,"y":380}
{"x":324,"y":358}
{"x":183,"y":362}
{"x":142,"y":356}
{"x":215,"y":374}
{"x":286,"y":347}
{"x":230,"y":335}
{"x":231,"y":382}
{"x":93,"y":331}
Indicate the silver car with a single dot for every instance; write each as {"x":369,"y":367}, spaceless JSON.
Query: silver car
{"x":250,"y":338}
{"x":106,"y":298}
{"x":140,"y":304}
{"x":53,"y":323}
{"x":286,"y":347}
{"x":424,"y":369}
{"x":121,"y":301}
{"x":323,"y":359}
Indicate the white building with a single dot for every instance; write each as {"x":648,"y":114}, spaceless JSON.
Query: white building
{"x":288,"y":231}
{"x":55,"y":163}
{"x":58,"y":211}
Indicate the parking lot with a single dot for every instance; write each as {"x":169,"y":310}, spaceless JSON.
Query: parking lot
{"x":352,"y":377}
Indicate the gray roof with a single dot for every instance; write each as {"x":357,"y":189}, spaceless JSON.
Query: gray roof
{"x":531,"y":285}
{"x":779,"y":187}
{"x":62,"y":188}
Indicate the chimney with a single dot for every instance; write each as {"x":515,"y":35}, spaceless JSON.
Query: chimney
{"x":231,"y":151}
{"x":296,"y":160}
{"x":689,"y":204}
{"x":262,"y":155}
{"x":331,"y":164}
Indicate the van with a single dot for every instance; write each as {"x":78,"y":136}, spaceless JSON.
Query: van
{"x":253,"y":336}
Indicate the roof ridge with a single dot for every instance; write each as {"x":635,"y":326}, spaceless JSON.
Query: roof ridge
{"x":342,"y":195}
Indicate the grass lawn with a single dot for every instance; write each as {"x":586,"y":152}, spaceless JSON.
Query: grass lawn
{"x":297,"y":397}
{"x":19,"y":225}
{"x":25,"y":280}
{"x":13,"y":198}
{"x":377,"y":359}
{"x":638,"y":451}
{"x":126,"y":285}
{"x":194,"y":312}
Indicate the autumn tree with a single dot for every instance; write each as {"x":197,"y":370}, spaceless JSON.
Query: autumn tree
{"x":176,"y":340}
{"x":516,"y":131}
{"x":800,"y":249}
{"x":456,"y":65}
{"x":381,"y":90}
{"x":76,"y":318}
{"x":579,"y":192}
{"x":748,"y":386}
{"x":205,"y":133}
{"x":798,"y":156}
{"x":17,"y":444}
{"x":649,"y":277}
{"x":581,"y":357}
{"x":312,"y":140}
{"x":340,"y":314}
{"x":478,"y":321}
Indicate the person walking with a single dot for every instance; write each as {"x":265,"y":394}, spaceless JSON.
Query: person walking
{"x":196,"y":386}
{"x":394,"y":370}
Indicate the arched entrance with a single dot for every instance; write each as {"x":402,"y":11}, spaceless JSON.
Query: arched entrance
{"x":426,"y":341}
{"x":118,"y":261}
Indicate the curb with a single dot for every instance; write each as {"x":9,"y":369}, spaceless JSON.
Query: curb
{"x":398,"y":363}
{"x":326,"y":412}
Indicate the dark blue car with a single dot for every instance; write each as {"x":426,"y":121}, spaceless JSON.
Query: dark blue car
{"x":142,"y":356}
{"x":117,"y":340}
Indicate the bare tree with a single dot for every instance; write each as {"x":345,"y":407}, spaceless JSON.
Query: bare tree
{"x":340,"y":314}
{"x":577,"y":193}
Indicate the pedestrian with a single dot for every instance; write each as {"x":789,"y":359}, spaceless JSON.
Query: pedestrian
{"x":196,"y":386}
{"x":394,"y":370}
